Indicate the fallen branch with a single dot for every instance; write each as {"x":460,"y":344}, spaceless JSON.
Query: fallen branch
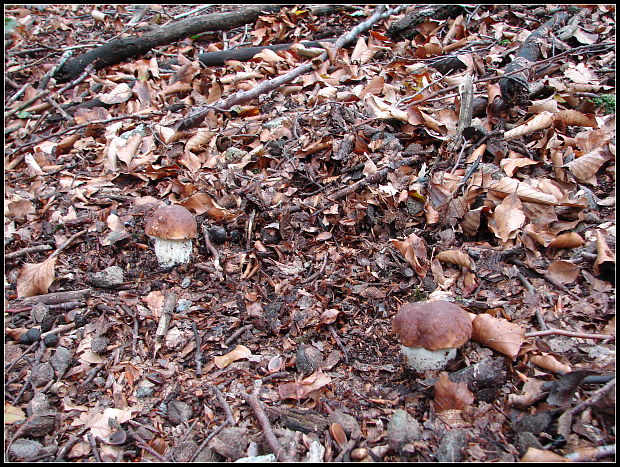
{"x":116,"y":51}
{"x":560,"y":332}
{"x":242,"y":97}
{"x":252,"y":399}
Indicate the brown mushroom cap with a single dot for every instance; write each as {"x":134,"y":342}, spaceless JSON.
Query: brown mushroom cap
{"x":433,"y":325}
{"x":172,"y":223}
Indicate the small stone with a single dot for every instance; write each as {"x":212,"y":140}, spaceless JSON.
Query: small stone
{"x":452,"y":446}
{"x":108,"y":278}
{"x":51,"y":340}
{"x":348,"y":423}
{"x":308,"y":360}
{"x":217,"y":234}
{"x":25,"y":449}
{"x":61,"y":360}
{"x":178,"y":412}
{"x":402,"y":429}
{"x":359,"y":453}
{"x":39,"y":403}
{"x":231,"y":443}
{"x":99,"y":344}
{"x":30,"y":337}
{"x":42,"y":374}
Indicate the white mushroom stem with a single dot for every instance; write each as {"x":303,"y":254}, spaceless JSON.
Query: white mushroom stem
{"x":171,"y":252}
{"x":421,"y":359}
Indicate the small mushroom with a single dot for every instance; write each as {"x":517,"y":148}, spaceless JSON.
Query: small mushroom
{"x":172,"y":229}
{"x":430,"y":332}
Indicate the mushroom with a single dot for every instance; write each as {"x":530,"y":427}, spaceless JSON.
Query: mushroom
{"x":430,"y":332}
{"x":172,"y":229}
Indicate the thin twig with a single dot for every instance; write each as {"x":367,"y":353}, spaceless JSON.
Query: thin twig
{"x":252,"y":399}
{"x":93,"y":447}
{"x":198,"y":354}
{"x":560,"y":332}
{"x":594,"y":398}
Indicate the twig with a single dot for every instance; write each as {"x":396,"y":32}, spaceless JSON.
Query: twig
{"x":230,"y":421}
{"x":248,"y":240}
{"x":67,"y":243}
{"x":27,"y":351}
{"x":93,"y":447}
{"x":141,"y":443}
{"x":25,"y":251}
{"x":73,"y":440}
{"x":56,"y":297}
{"x":540,"y":319}
{"x":252,"y":399}
{"x":237,"y":333}
{"x":592,"y":454}
{"x":242,"y":97}
{"x":339,"y":342}
{"x":594,"y":398}
{"x":198,"y":354}
{"x":560,"y":332}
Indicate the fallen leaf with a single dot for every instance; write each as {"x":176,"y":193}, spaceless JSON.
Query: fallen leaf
{"x":499,"y":334}
{"x":12,"y":414}
{"x":562,"y":271}
{"x":35,"y":279}
{"x":540,"y":455}
{"x":413,"y":248}
{"x":238,"y":353}
{"x":450,"y":395}
{"x":507,"y":218}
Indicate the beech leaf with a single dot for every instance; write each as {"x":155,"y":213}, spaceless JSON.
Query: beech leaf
{"x":35,"y":279}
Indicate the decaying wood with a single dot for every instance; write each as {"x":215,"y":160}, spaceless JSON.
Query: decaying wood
{"x":515,"y":87}
{"x":116,"y":51}
{"x":406,"y":28}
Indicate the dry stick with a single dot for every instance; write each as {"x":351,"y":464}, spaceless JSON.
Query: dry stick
{"x":594,"y":398}
{"x":141,"y":443}
{"x":73,"y":440}
{"x":252,"y":399}
{"x":592,"y":454}
{"x":493,"y":78}
{"x":198,"y":355}
{"x":28,"y":350}
{"x":55,"y":297}
{"x":339,"y":342}
{"x":560,"y":332}
{"x":230,"y":421}
{"x":237,"y":333}
{"x":242,"y":97}
{"x":93,"y":447}
{"x":25,"y":251}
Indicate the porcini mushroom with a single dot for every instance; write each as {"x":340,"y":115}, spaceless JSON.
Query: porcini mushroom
{"x":172,"y":229}
{"x":430,"y":332}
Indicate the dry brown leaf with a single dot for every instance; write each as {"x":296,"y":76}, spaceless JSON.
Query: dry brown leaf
{"x":337,"y":432}
{"x":35,"y":279}
{"x":120,"y":93}
{"x":531,"y":393}
{"x":510,"y":166}
{"x":540,"y":455}
{"x":567,"y":240}
{"x":413,"y":248}
{"x":199,"y":140}
{"x":507,"y":218}
{"x":562,"y":271}
{"x":538,"y":122}
{"x":202,"y":202}
{"x":499,"y":334}
{"x":300,"y":389}
{"x":457,"y":257}
{"x":587,"y":166}
{"x":551,"y":363}
{"x":506,"y":186}
{"x":603,"y":253}
{"x":238,"y":353}
{"x":450,"y":395}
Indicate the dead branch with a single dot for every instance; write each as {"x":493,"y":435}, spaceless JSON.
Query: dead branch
{"x":252,"y":399}
{"x":560,"y":332}
{"x":242,"y":97}
{"x":118,"y":50}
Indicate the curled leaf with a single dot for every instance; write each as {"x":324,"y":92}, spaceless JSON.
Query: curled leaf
{"x":238,"y":353}
{"x":413,"y":248}
{"x":499,"y":334}
{"x":455,"y":257}
{"x":451,"y":395}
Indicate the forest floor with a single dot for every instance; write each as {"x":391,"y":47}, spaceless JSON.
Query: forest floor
{"x":395,"y":168}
